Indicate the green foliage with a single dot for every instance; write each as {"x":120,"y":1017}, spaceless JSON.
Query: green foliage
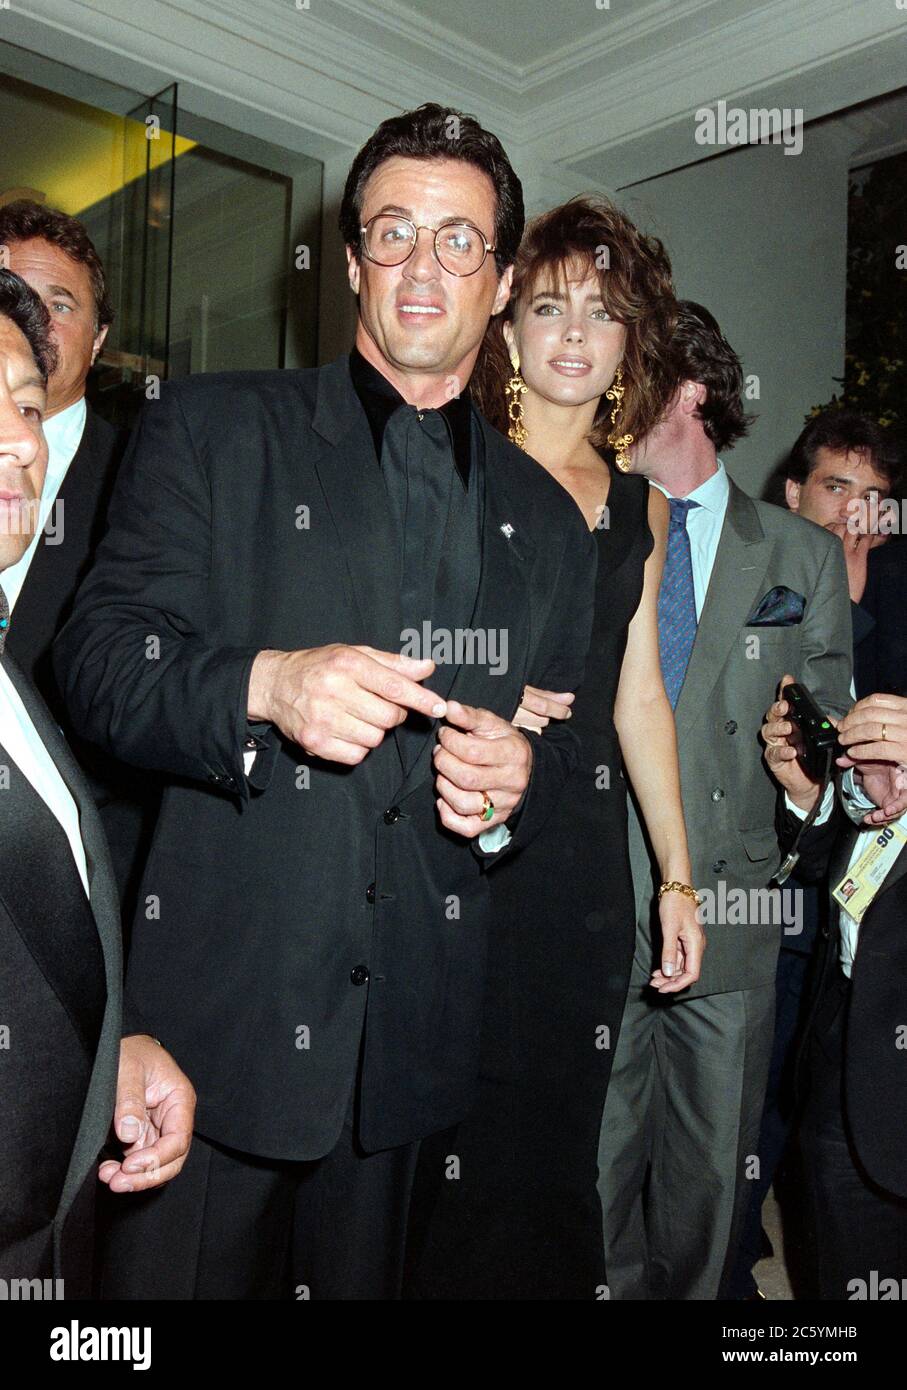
{"x":875,"y":362}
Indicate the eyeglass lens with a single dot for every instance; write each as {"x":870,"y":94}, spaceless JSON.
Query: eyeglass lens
{"x":389,"y":240}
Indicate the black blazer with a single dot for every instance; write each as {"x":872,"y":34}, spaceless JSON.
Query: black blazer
{"x":60,"y":985}
{"x":882,"y":661}
{"x":875,"y":1097}
{"x":281,"y":915}
{"x":128,"y":804}
{"x":56,"y":571}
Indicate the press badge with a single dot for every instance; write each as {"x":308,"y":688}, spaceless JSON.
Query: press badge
{"x":863,"y":880}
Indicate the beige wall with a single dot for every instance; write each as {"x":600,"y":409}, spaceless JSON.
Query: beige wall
{"x":759,"y":238}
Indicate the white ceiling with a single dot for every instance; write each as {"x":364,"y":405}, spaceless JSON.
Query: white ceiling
{"x":528,"y":33}
{"x":603,"y":95}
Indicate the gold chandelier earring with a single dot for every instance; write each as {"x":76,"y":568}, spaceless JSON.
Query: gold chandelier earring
{"x":513,"y":391}
{"x":620,"y":443}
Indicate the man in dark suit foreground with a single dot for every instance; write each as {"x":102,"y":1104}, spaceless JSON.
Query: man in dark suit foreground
{"x":64,"y":1070}
{"x":854,"y":1121}
{"x":318,"y":602}
{"x":54,"y":255}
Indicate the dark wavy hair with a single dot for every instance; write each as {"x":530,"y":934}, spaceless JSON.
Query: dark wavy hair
{"x":634,"y":273}
{"x":435,"y":132}
{"x":700,"y":352}
{"x":19,"y":302}
{"x":23,"y":220}
{"x":845,"y":432}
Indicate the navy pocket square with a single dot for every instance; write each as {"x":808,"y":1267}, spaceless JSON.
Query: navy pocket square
{"x":780,"y":607}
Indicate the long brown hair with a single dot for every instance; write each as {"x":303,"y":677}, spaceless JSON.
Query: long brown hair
{"x":634,"y":274}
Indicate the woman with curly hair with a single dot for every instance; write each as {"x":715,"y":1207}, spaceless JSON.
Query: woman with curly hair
{"x":575,"y":369}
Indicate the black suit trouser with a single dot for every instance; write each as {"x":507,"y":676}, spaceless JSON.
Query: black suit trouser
{"x":856,"y":1227}
{"x":234,"y":1226}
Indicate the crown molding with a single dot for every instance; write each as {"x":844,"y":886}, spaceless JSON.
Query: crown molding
{"x":323,"y":78}
{"x":775,"y":44}
{"x":287,"y":63}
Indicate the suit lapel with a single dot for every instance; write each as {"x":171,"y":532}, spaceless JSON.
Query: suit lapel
{"x":501,"y":604}
{"x":75,"y":943}
{"x":896,"y":872}
{"x":839,"y":865}
{"x":738,"y":575}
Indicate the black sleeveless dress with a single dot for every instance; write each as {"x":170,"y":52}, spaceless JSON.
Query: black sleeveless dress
{"x":506,"y":1206}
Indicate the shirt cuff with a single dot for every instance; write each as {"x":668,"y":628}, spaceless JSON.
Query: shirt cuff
{"x":855,"y":801}
{"x":495,"y":839}
{"x":825,"y":809}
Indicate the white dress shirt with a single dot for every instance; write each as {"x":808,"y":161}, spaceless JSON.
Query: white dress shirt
{"x":63,"y":433}
{"x":22,"y":744}
{"x":856,"y":803}
{"x":704,"y":524}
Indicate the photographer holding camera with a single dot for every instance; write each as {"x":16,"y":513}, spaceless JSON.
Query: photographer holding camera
{"x":852,"y":1060}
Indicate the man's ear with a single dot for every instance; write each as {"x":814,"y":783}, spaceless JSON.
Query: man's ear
{"x":352,"y":269}
{"x":792,"y":494}
{"x":99,"y":342}
{"x":691,"y":396}
{"x":502,"y":294}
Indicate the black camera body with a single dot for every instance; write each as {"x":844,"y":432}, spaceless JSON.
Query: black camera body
{"x":817,"y":734}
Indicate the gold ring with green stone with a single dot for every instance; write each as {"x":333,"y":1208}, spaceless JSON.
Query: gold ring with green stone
{"x":487,"y":807}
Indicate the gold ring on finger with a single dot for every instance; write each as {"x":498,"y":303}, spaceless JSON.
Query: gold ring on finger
{"x":487,"y":812}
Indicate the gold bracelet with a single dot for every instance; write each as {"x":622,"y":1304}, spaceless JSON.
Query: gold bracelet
{"x":684,"y":888}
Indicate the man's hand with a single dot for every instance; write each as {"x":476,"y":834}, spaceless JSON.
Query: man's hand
{"x":857,"y":544}
{"x":338,"y":702}
{"x":479,"y":752}
{"x":782,"y":749}
{"x":155,"y":1109}
{"x":880,"y":764}
{"x":539,"y":707}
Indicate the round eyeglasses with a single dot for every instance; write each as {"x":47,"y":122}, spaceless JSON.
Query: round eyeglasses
{"x":460,"y":248}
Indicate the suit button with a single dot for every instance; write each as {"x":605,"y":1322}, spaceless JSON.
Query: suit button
{"x":731,"y":726}
{"x":359,"y":974}
{"x":719,"y":866}
{"x":717,"y":794}
{"x":392,"y":816}
{"x":370,"y":893}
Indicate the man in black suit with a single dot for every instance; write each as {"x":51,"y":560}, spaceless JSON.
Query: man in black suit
{"x":54,"y":254}
{"x":318,"y":602}
{"x":64,"y":1070}
{"x":883,"y":659}
{"x":842,"y":466}
{"x":851,"y":1068}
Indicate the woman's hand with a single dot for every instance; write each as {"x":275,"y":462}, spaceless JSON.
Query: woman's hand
{"x":683,"y":942}
{"x":539,"y":707}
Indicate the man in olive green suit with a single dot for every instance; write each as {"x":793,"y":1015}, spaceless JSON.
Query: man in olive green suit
{"x":750,"y":592}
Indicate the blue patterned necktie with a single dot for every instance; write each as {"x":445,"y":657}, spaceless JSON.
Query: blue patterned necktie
{"x":677,"y":601}
{"x":4,"y":620}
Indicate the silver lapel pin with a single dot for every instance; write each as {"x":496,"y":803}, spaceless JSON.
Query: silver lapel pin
{"x":507,"y":529}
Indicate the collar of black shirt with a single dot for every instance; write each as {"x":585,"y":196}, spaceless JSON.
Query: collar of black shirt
{"x":380,"y":399}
